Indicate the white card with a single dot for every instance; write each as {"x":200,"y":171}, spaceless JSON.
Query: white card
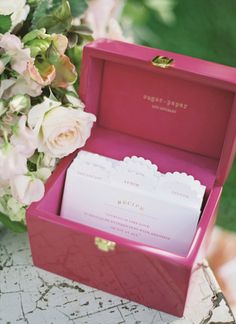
{"x":131,"y":199}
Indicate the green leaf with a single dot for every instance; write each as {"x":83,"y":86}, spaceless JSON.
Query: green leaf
{"x":31,"y":166}
{"x":75,"y":54}
{"x":40,"y":11}
{"x":5,"y":23}
{"x":58,"y":21}
{"x":63,"y":12}
{"x":14,"y":226}
{"x":73,"y":39}
{"x":65,"y":72}
{"x":52,"y":24}
{"x":78,"y":7}
{"x":37,"y":33}
{"x":81,"y":30}
{"x":34,"y":157}
{"x":33,"y":2}
{"x":52,"y":54}
{"x":56,"y":3}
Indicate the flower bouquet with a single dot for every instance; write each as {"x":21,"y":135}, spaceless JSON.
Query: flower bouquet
{"x":41,"y":116}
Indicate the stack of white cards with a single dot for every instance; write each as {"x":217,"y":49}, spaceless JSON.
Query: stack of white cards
{"x":131,"y":199}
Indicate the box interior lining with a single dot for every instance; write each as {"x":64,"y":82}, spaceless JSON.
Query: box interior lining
{"x":172,"y":111}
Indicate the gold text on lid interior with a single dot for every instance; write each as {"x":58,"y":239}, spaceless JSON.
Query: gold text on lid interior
{"x":165,"y":101}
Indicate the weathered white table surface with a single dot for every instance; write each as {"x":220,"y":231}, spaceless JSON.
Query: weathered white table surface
{"x":31,"y":295}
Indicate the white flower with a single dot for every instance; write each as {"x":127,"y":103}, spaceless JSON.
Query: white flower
{"x":5,"y":87}
{"x":25,"y":140}
{"x":48,"y":162}
{"x":26,"y":189}
{"x":73,"y":98}
{"x":60,"y":130}
{"x":101,"y":17}
{"x":12,"y":162}
{"x":114,"y":30}
{"x":24,"y":85}
{"x":18,"y":9}
{"x":43,"y":173}
{"x":20,"y":57}
{"x":19,"y":102}
{"x":9,"y":121}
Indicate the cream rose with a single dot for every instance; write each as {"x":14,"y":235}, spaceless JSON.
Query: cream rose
{"x":61,"y":130}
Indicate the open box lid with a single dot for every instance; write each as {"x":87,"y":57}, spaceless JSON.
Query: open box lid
{"x":189,"y":106}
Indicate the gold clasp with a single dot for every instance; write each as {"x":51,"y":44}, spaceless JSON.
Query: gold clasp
{"x":162,"y":61}
{"x":104,"y":245}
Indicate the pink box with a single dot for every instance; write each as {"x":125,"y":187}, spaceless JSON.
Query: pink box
{"x":183,"y":118}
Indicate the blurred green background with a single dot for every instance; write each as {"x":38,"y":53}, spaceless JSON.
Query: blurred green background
{"x":202,"y":28}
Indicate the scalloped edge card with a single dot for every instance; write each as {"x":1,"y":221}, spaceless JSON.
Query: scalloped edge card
{"x":133,"y":200}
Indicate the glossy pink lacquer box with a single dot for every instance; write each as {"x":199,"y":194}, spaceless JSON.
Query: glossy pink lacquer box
{"x":182,"y":118}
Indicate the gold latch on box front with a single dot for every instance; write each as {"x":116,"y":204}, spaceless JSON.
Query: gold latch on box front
{"x":104,"y":245}
{"x":162,"y":61}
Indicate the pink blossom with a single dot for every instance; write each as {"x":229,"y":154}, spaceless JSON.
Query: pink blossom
{"x":14,"y":48}
{"x":25,"y":140}
{"x":23,"y":84}
{"x":12,"y":162}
